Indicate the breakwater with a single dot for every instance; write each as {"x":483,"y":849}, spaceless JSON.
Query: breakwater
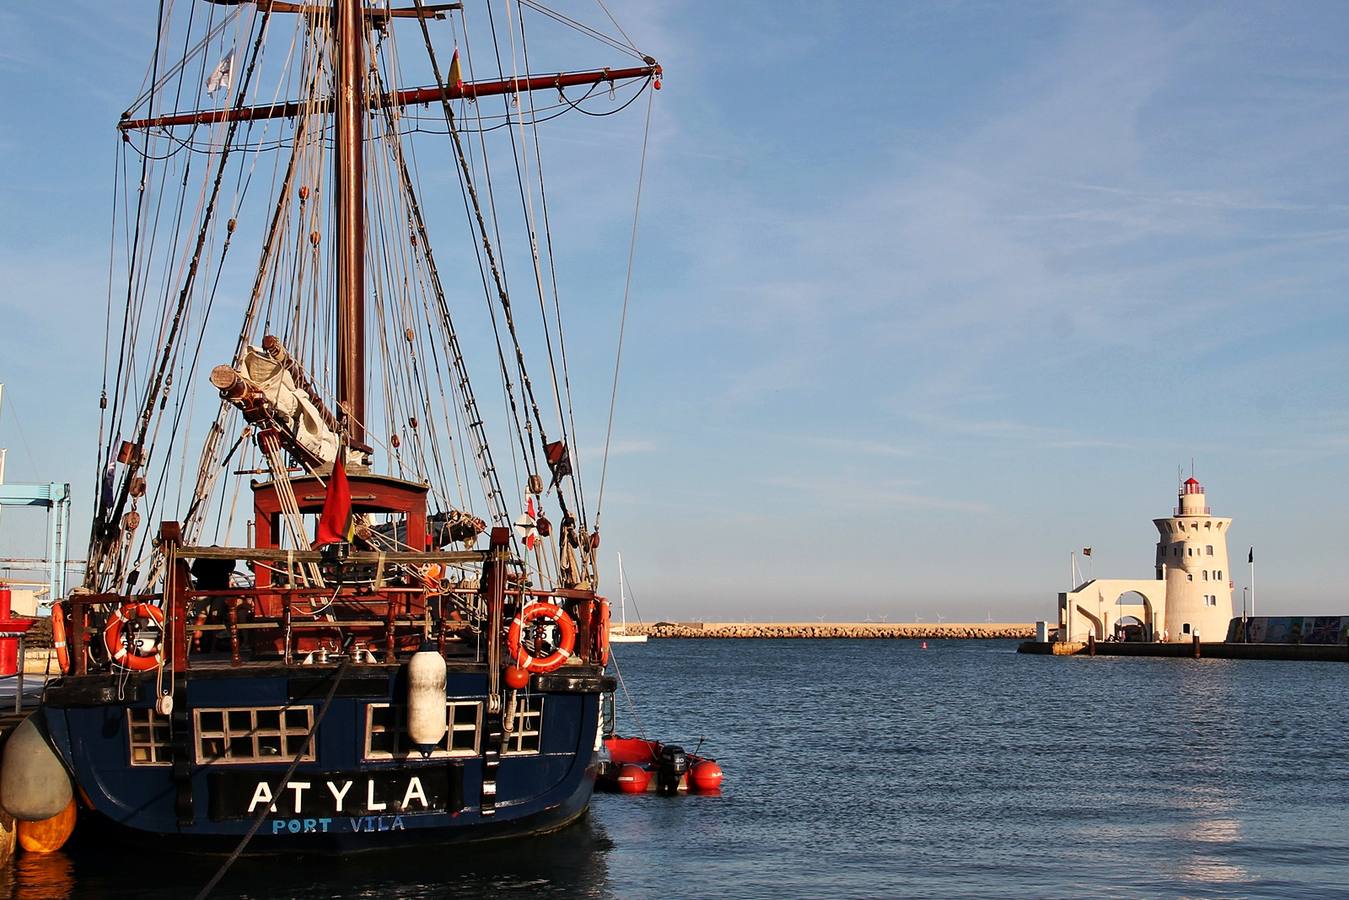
{"x":1195,"y":650}
{"x":900,"y":630}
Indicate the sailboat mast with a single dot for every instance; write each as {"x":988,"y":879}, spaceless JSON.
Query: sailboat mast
{"x":349,"y":171}
{"x":622,"y":597}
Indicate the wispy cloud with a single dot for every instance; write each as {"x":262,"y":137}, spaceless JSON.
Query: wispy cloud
{"x":859,"y":498}
{"x":622,"y":447}
{"x":857,"y":446}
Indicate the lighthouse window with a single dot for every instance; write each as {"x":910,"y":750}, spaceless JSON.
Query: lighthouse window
{"x":1219,"y":575}
{"x":386,"y":735}
{"x":1189,"y":576}
{"x":1206,"y":574}
{"x":149,"y":735}
{"x":526,"y":726}
{"x":253,"y":734}
{"x":1208,"y":551}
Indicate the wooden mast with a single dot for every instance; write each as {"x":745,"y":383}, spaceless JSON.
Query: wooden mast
{"x":349,"y":175}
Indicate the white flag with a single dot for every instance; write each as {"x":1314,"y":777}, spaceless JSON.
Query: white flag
{"x":221,"y":77}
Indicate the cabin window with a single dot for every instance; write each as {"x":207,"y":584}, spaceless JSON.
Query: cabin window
{"x":386,"y":735}
{"x":148,"y":733}
{"x":253,"y":734}
{"x":526,"y":727}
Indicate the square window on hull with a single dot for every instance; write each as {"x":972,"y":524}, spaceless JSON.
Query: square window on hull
{"x":526,"y":735}
{"x":253,"y":734}
{"x":386,"y":734}
{"x":149,"y":737}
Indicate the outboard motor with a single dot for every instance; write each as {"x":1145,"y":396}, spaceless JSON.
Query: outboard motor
{"x":608,"y":714}
{"x":673,"y":763}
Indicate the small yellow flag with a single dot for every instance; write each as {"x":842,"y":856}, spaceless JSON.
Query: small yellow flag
{"x":456,"y":78}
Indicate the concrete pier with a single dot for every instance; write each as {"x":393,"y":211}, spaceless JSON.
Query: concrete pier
{"x":893,"y":630}
{"x":1185,"y":650}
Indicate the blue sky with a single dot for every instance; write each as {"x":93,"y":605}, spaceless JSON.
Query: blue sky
{"x":927,"y":295}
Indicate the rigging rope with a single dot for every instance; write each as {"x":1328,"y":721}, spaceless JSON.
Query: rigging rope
{"x":99,"y":548}
{"x":623,"y":317}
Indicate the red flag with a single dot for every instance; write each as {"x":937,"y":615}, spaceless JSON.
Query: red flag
{"x":533,"y":532}
{"x":335,"y":523}
{"x":526,"y":527}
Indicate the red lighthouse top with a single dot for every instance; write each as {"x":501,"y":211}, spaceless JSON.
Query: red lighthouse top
{"x":1192,"y":487}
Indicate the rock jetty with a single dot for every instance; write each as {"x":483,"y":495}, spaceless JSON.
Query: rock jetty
{"x":913,"y":630}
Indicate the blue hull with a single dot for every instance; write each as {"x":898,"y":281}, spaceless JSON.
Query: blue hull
{"x":345,"y":798}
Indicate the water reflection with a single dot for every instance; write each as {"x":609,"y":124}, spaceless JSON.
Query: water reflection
{"x":39,"y":876}
{"x":569,"y":863}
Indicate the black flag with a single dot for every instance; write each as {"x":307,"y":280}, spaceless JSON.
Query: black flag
{"x":1250,"y":557}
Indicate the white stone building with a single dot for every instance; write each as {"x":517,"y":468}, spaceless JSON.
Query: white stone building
{"x":1190,"y":595}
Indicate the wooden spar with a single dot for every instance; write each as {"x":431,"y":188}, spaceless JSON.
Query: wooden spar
{"x":427,"y":11}
{"x":349,"y":174}
{"x":406,"y":97}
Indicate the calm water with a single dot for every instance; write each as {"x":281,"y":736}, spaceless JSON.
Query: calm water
{"x":877,"y":769}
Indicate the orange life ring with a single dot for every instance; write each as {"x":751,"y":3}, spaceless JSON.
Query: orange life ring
{"x":602,"y":635}
{"x":118,"y":650}
{"x":432,"y":577}
{"x":566,"y":638}
{"x":59,"y":636}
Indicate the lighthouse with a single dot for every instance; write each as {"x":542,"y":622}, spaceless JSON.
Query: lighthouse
{"x":1192,"y":559}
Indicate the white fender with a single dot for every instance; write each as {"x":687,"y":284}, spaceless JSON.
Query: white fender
{"x":33,"y":782}
{"x":426,"y":700}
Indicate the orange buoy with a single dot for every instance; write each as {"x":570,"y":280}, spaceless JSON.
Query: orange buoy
{"x":633,"y":779}
{"x":48,"y":835}
{"x":705,"y":776}
{"x":517,"y":677}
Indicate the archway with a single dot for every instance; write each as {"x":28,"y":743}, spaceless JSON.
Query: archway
{"x":1133,"y":609}
{"x":1130,"y":629}
{"x":1096,"y":628}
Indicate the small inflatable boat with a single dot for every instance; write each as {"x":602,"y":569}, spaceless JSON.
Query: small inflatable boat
{"x":636,"y":766}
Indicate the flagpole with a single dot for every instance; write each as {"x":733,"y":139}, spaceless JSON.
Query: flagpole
{"x":1245,"y":626}
{"x":1251,"y":559}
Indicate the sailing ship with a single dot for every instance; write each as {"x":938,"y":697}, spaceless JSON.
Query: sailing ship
{"x":311,"y":616}
{"x":618,"y":634}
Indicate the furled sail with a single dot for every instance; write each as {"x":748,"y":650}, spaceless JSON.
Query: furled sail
{"x":270,"y":387}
